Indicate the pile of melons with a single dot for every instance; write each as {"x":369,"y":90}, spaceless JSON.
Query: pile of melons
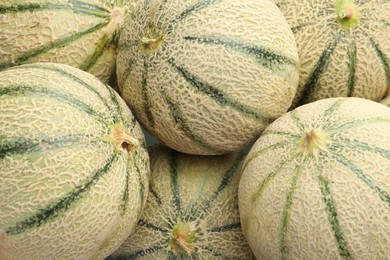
{"x":194,"y":129}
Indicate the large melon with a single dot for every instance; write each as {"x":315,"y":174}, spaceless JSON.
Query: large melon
{"x":206,"y":77}
{"x":343,"y":46}
{"x":73,"y":165}
{"x":191,"y":211}
{"x":316,"y":184}
{"x":81,"y":33}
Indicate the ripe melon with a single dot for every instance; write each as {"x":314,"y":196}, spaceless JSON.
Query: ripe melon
{"x":191,"y":211}
{"x":206,"y":77}
{"x":316,"y":184}
{"x":81,"y":33}
{"x":73,"y":165}
{"x":343,"y":46}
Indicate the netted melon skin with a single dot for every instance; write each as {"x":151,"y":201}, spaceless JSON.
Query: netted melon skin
{"x":80,"y":33}
{"x":196,"y":189}
{"x":330,"y":204}
{"x":206,"y":77}
{"x":339,"y":62}
{"x":67,"y":192}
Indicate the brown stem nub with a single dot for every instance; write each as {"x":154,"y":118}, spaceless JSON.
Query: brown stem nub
{"x":122,"y":139}
{"x":152,"y":40}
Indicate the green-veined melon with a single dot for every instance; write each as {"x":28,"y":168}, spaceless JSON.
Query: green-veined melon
{"x":316,"y":184}
{"x":206,"y":77}
{"x":386,"y":101}
{"x":343,"y":46}
{"x":191,"y":211}
{"x":73,"y":165}
{"x":81,"y":33}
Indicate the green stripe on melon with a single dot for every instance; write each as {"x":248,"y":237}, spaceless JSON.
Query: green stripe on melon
{"x":325,"y":194}
{"x":80,"y":33}
{"x":343,"y":48}
{"x":202,"y":85}
{"x":73,"y":165}
{"x":191,"y":211}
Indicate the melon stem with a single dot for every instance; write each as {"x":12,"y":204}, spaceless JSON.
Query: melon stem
{"x":347,"y":14}
{"x":182,"y":237}
{"x":313,"y":142}
{"x":152,"y":39}
{"x":123,"y":140}
{"x":118,"y":15}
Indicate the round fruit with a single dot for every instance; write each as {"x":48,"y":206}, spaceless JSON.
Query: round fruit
{"x":191,"y":211}
{"x":316,"y":184}
{"x":81,"y":33}
{"x":343,"y":46}
{"x":206,"y":77}
{"x":73,"y":165}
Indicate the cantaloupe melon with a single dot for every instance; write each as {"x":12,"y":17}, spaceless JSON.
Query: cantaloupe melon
{"x":191,"y":211}
{"x":343,"y":46}
{"x":316,"y":184}
{"x":81,"y":33}
{"x":73,"y":165}
{"x":206,"y":77}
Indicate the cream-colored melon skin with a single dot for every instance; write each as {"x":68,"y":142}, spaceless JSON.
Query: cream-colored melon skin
{"x":59,"y":33}
{"x":245,"y":94}
{"x":197,"y":179}
{"x":316,"y":28}
{"x":288,"y":218}
{"x":100,"y":219}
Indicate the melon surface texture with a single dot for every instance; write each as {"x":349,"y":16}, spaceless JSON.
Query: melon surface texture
{"x":73,"y":165}
{"x":343,"y":46}
{"x":316,"y":184}
{"x":191,"y":211}
{"x":81,"y":33}
{"x":206,"y":77}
